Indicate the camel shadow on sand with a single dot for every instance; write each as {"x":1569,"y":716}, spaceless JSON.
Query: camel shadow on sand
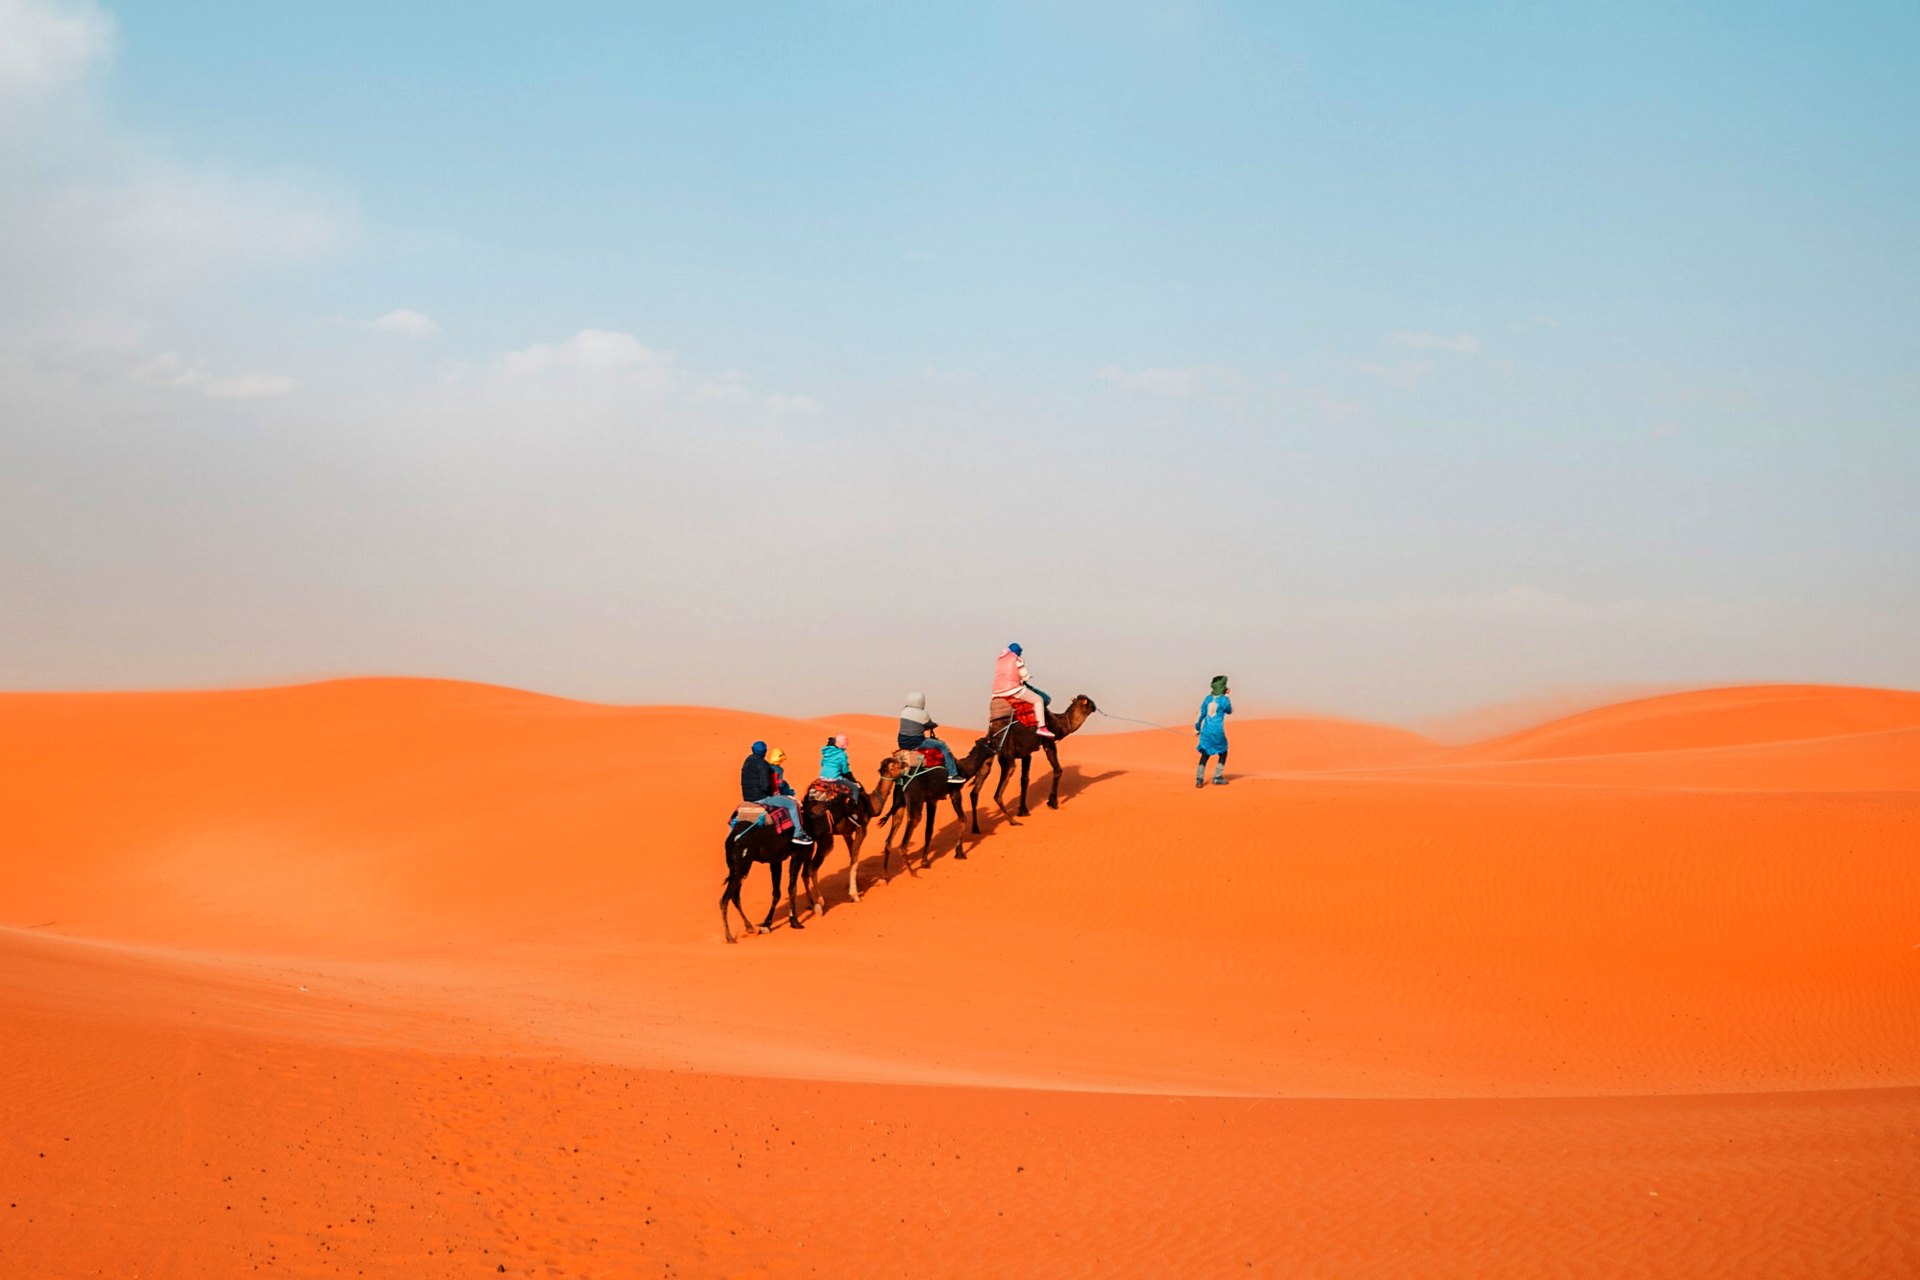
{"x":1074,"y":782}
{"x":948,"y":838}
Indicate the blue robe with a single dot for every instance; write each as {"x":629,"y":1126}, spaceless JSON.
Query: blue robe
{"x":1212,"y":724}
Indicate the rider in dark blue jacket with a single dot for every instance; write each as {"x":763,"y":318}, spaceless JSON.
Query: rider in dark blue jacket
{"x":757,"y":785}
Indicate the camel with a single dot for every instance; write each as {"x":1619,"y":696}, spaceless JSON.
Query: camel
{"x":746,"y":846}
{"x":1007,"y":740}
{"x":844,"y":817}
{"x":921,"y":793}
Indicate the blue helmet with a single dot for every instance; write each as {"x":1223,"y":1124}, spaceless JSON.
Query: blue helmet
{"x":1015,"y":650}
{"x":759,"y":748}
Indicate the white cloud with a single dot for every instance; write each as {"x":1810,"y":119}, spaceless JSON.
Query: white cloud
{"x":1460,"y":343}
{"x":1160,"y":380}
{"x":604,"y":371}
{"x":782,"y":407}
{"x":404,"y":320}
{"x":730,"y":388}
{"x":1154,"y":381}
{"x":208,"y":216}
{"x":1404,"y":376}
{"x":591,"y":351}
{"x":171,"y":371}
{"x":1718,"y":397}
{"x":45,"y":44}
{"x":101,"y":227}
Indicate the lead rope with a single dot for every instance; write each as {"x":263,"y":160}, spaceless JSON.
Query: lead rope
{"x":1130,"y":720}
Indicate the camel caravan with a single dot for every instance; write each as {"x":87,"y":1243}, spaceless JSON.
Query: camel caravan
{"x":774,"y":826}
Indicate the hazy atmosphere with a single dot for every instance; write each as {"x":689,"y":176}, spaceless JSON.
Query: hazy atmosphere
{"x":1394,"y":362}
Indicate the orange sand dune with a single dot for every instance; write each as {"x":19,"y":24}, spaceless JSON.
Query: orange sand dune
{"x":1631,"y":993}
{"x":1714,"y":718}
{"x":1294,"y":745}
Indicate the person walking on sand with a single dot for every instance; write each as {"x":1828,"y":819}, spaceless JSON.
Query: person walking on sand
{"x":1212,"y":730}
{"x":1010,"y":682}
{"x":762,"y":782}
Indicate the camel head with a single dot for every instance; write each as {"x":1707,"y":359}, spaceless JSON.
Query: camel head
{"x":1078,"y":712}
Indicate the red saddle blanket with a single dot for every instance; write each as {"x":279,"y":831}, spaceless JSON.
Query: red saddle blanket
{"x":828,"y":789}
{"x":1019,"y":709}
{"x":921,"y":757}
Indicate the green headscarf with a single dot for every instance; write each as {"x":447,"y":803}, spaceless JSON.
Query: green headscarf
{"x":1219,"y":686}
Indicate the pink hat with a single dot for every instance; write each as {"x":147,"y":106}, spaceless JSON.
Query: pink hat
{"x":840,"y":741}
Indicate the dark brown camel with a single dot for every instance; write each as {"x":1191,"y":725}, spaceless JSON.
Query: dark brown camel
{"x":920,"y":794}
{"x":1007,"y":740}
{"x":846,"y":818}
{"x":746,"y":846}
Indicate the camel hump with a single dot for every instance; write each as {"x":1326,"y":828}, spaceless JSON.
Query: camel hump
{"x":920,"y":757}
{"x":1001,"y":711}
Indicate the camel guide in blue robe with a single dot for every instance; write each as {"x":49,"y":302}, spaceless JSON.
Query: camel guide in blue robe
{"x":1212,"y":728}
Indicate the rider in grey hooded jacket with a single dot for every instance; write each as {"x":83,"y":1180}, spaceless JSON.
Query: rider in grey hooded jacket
{"x":916,"y":731}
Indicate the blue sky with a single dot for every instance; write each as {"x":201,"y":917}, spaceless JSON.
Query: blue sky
{"x":1399,"y":357}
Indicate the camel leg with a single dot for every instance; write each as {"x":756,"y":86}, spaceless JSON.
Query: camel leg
{"x":979,"y":781}
{"x":823,"y":845}
{"x":1026,"y":767}
{"x":773,"y":874}
{"x":821,"y":848}
{"x":960,"y":817}
{"x":1000,"y":788}
{"x":906,"y":843}
{"x":731,"y":894}
{"x":796,"y":867}
{"x":854,"y":840}
{"x":926,"y":844}
{"x":793,"y":907}
{"x":1053,"y":758}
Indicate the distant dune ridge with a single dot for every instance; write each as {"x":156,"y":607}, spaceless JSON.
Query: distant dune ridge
{"x":404,"y":976}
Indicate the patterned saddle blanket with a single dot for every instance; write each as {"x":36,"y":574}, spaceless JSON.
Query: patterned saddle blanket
{"x":749,"y":814}
{"x":921,"y":758}
{"x":829,"y":789}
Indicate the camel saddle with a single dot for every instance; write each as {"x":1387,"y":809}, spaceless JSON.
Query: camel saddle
{"x":921,"y":758}
{"x":829,"y":789}
{"x":1004,"y":711}
{"x":750,"y":814}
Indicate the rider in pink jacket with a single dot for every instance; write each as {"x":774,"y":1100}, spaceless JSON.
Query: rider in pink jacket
{"x":1010,"y":682}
